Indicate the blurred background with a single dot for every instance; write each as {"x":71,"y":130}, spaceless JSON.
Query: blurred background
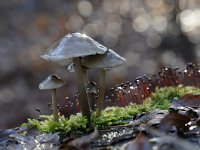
{"x":149,"y":34}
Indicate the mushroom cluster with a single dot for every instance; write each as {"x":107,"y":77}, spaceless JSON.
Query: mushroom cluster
{"x":80,"y":52}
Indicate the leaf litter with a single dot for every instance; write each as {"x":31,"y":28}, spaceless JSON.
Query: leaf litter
{"x":178,"y":128}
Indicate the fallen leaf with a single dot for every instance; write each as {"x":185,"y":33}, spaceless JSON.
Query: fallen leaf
{"x":83,"y":142}
{"x":191,"y":113}
{"x":48,"y":138}
{"x":151,"y":118}
{"x":140,"y":143}
{"x":172,"y":143}
{"x":115,"y":135}
{"x":22,"y":142}
{"x":5,"y":133}
{"x":189,"y":100}
{"x":173,"y":120}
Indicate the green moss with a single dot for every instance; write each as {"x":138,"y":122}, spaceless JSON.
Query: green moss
{"x":47,"y":123}
{"x":75,"y":123}
{"x":134,"y":109}
{"x":110,"y":116}
{"x":161,"y":99}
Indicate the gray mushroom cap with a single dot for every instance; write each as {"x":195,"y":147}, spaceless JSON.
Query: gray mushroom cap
{"x":71,"y":46}
{"x":51,"y":82}
{"x":106,"y":61}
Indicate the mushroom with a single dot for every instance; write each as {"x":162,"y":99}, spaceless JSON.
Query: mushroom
{"x":52,"y":82}
{"x":71,"y":68}
{"x":73,"y":47}
{"x":105,"y":62}
{"x":91,"y":89}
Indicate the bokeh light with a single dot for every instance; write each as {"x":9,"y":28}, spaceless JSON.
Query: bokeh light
{"x":85,"y":8}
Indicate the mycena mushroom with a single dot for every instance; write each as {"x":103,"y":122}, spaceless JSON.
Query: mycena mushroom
{"x":104,"y":62}
{"x":52,"y":82}
{"x":71,"y":68}
{"x":73,"y":47}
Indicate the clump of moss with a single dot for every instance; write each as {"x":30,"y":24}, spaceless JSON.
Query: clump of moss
{"x":134,"y":109}
{"x":46,"y":123}
{"x":110,"y":116}
{"x":161,"y":98}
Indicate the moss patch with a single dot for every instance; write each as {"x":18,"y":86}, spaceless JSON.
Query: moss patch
{"x":110,"y":116}
{"x":47,"y":123}
{"x":161,"y":99}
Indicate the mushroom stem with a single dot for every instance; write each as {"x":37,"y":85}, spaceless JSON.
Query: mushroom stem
{"x":82,"y":97}
{"x":89,"y":95}
{"x":54,"y":104}
{"x":85,"y":76}
{"x":100,"y":101}
{"x":90,"y":101}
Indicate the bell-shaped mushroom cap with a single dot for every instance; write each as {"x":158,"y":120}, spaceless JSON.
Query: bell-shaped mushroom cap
{"x":71,"y":46}
{"x":106,"y":61}
{"x":51,"y":82}
{"x":91,"y":87}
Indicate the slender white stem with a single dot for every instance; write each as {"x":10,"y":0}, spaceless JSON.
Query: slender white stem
{"x":100,"y":101}
{"x":83,"y":101}
{"x":54,"y":104}
{"x":89,"y":95}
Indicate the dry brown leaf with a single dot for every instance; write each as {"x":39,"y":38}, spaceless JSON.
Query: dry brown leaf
{"x":84,"y":141}
{"x":189,"y":100}
{"x":173,"y":120}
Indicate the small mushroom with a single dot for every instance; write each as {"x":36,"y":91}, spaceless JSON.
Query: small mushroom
{"x":71,"y":68}
{"x":105,"y":62}
{"x":73,"y":47}
{"x":52,"y":82}
{"x":91,"y":89}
